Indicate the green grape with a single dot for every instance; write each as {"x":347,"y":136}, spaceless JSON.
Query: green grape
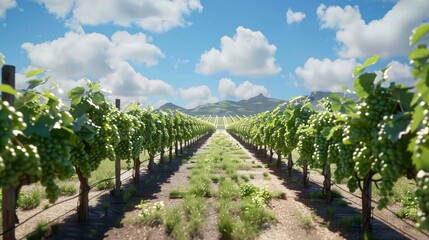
{"x":17,"y":158}
{"x":124,"y":123}
{"x":55,"y":162}
{"x":422,"y":194}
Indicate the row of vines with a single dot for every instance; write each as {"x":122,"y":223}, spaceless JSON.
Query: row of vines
{"x":377,"y":137}
{"x":42,"y":139}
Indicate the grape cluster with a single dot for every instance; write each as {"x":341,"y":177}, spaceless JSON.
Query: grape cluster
{"x":298,"y":120}
{"x":124,"y":123}
{"x":422,"y":194}
{"x":342,"y":154}
{"x":319,"y":122}
{"x":17,"y":156}
{"x":54,"y":151}
{"x":108,"y":135}
{"x":376,"y":151}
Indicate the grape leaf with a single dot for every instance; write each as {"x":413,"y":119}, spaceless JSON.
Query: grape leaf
{"x":364,"y":84}
{"x":398,"y":126}
{"x":370,"y":61}
{"x":76,"y":95}
{"x":419,"y":53}
{"x":417,"y":117}
{"x":34,"y":72}
{"x":418,"y":33}
{"x":8,"y":89}
{"x":34,"y":83}
{"x":339,"y":104}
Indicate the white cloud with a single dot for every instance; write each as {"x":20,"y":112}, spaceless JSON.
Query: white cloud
{"x":400,"y":73}
{"x":197,"y":96}
{"x":387,"y":36}
{"x":248,"y":53}
{"x":134,"y":47}
{"x":58,"y":8}
{"x":327,"y":75}
{"x":5,"y":5}
{"x":152,"y":15}
{"x":292,"y":16}
{"x":228,"y":89}
{"x":76,"y":56}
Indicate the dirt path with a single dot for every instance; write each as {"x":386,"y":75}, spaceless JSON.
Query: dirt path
{"x":287,"y":211}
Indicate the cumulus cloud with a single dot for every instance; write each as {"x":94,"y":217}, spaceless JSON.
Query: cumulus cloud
{"x":196,"y":96}
{"x":58,"y":8}
{"x":134,"y":47}
{"x":5,"y":5}
{"x":95,"y":56}
{"x":387,"y":36}
{"x":247,"y":53}
{"x":327,"y":75}
{"x":229,"y":90}
{"x":292,"y":16}
{"x":152,"y":15}
{"x":400,"y":73}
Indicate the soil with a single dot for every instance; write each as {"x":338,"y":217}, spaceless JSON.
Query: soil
{"x":113,"y":218}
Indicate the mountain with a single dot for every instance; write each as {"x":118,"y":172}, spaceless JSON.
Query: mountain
{"x":247,"y":107}
{"x":171,"y":106}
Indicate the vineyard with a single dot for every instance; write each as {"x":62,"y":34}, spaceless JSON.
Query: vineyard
{"x":367,"y":146}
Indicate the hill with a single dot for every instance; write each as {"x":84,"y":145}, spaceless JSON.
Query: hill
{"x":247,"y":107}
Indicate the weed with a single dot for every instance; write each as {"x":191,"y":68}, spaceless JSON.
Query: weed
{"x":252,"y":176}
{"x":343,"y":203}
{"x":278,"y":195}
{"x":330,"y":211}
{"x":105,"y":207}
{"x":151,"y":214}
{"x":176,"y":193}
{"x":40,"y":232}
{"x":305,"y":220}
{"x":215,"y":179}
{"x":28,"y":200}
{"x":245,"y":178}
{"x":357,"y":219}
{"x":346,"y":222}
{"x":67,"y":189}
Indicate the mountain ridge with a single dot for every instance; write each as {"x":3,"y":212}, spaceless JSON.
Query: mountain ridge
{"x":254,"y":105}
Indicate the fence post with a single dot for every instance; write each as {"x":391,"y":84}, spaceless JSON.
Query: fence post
{"x":9,"y":197}
{"x":118,"y":161}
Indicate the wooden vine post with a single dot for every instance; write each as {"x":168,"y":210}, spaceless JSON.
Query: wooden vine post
{"x":83,"y":207}
{"x":305,"y":176}
{"x":366,"y":202}
{"x":9,"y":192}
{"x":290,"y":164}
{"x":118,"y":161}
{"x":327,"y":182}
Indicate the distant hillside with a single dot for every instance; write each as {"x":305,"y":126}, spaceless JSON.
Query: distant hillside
{"x":171,"y":106}
{"x":251,"y":106}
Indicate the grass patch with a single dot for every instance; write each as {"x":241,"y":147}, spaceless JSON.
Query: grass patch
{"x":41,"y":231}
{"x":330,"y":211}
{"x":343,"y":203}
{"x":67,"y":189}
{"x":175,"y":193}
{"x":151,"y":214}
{"x":30,"y":199}
{"x":305,"y":219}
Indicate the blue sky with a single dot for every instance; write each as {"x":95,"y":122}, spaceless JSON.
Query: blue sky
{"x":192,"y":52}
